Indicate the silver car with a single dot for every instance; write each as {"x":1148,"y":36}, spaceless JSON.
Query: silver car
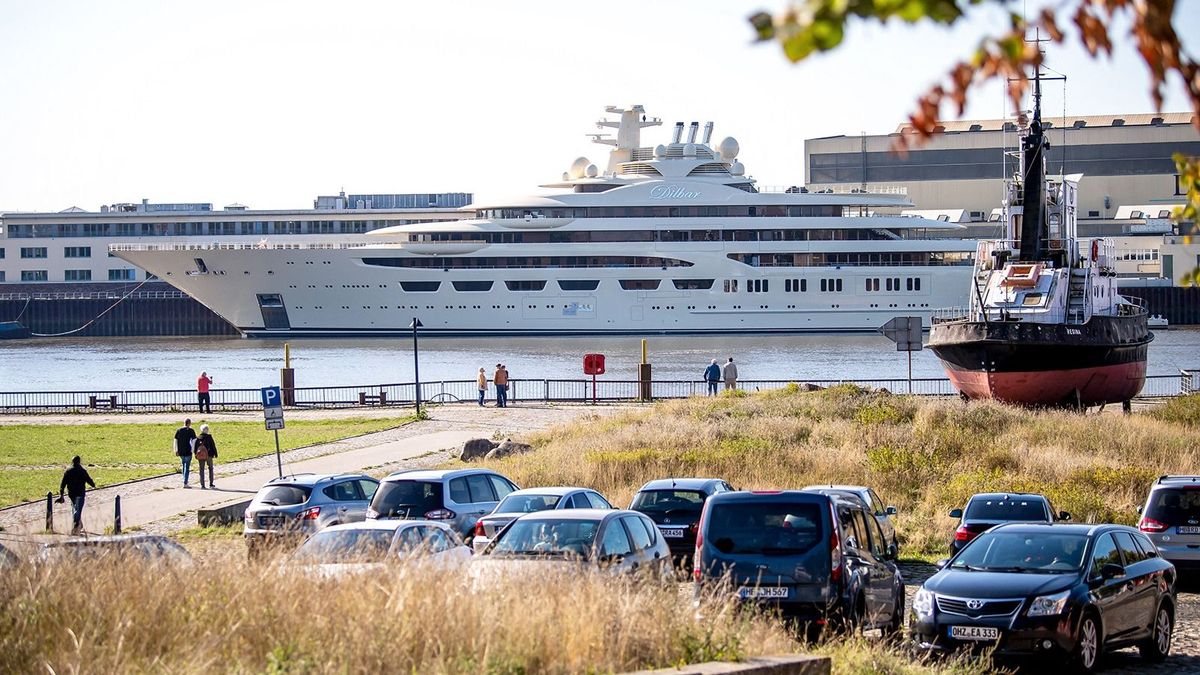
{"x":883,"y":514}
{"x":372,"y":544}
{"x":1171,"y":518}
{"x":458,"y":497}
{"x":614,"y":539}
{"x":305,"y":503}
{"x":529,"y":500}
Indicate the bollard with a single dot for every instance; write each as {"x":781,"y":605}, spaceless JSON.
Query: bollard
{"x":50,"y":512}
{"x":117,"y":515}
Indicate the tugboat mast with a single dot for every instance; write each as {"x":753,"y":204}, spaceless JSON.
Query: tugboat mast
{"x":1033,"y":197}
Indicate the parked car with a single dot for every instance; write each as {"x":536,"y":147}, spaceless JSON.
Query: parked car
{"x":529,"y":500}
{"x":675,"y":504}
{"x":613,"y":539}
{"x":882,"y":513}
{"x":818,"y":558}
{"x":1050,"y":591}
{"x":459,"y":497}
{"x":301,"y":504}
{"x":987,"y":510}
{"x":369,"y":545}
{"x":1171,"y":518}
{"x":149,"y":547}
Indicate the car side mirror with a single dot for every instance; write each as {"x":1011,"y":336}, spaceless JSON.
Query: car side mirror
{"x":1111,"y":571}
{"x":891,"y":511}
{"x":892,"y":552}
{"x":1063,"y":515}
{"x":956,"y":513}
{"x":942,"y":563}
{"x":1139,"y":510}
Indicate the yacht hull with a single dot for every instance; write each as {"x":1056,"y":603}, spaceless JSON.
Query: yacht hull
{"x":1102,"y":361}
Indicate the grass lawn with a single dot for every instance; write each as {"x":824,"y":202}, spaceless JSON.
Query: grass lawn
{"x":33,"y":457}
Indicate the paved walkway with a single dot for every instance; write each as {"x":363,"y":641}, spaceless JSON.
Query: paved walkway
{"x":152,"y":500}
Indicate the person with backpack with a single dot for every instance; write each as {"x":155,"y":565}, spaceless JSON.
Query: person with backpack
{"x":206,"y":452}
{"x":185,"y":441}
{"x":75,"y":480}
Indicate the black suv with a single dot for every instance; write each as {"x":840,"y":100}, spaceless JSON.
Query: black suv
{"x":817,"y":558}
{"x":986,"y":510}
{"x":674,"y":504}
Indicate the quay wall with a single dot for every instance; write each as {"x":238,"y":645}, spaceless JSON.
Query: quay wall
{"x":159,"y":312}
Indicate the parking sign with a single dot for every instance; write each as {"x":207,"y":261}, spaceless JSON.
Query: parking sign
{"x":272,"y":402}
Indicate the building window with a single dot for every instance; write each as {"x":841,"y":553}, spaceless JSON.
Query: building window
{"x":33,"y":252}
{"x":34,"y":275}
{"x":122,"y":275}
{"x":77,"y":275}
{"x":1,"y":254}
{"x":1,"y":275}
{"x":77,"y":252}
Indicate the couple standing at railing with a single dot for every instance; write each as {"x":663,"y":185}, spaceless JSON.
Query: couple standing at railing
{"x":500,"y":380}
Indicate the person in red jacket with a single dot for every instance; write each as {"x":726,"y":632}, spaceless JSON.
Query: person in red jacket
{"x":202,"y":385}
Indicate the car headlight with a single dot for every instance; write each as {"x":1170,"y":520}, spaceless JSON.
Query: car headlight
{"x":1049,"y":605}
{"x":922,"y":604}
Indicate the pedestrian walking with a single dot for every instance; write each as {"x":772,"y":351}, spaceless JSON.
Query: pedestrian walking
{"x":500,"y":379}
{"x":202,"y":384}
{"x":482,"y":386}
{"x":206,"y":452}
{"x":712,"y":375}
{"x":185,"y":442}
{"x":75,"y":480}
{"x":730,"y":374}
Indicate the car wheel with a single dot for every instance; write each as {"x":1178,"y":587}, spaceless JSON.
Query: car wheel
{"x":853,"y":617}
{"x":1158,"y":645}
{"x":896,"y":625}
{"x":1089,"y":645}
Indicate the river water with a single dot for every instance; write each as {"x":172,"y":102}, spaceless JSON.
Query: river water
{"x":174,"y":363}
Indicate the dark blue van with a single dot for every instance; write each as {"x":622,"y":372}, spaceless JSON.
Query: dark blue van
{"x":817,"y":558}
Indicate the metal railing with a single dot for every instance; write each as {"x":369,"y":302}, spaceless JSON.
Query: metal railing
{"x":95,"y":295}
{"x":455,"y":391}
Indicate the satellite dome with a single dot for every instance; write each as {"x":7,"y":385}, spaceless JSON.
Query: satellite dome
{"x":729,"y":148}
{"x":566,"y":176}
{"x":591,"y":171}
{"x":737,"y":168}
{"x":660,"y":151}
{"x":578,"y":167}
{"x":689,"y":150}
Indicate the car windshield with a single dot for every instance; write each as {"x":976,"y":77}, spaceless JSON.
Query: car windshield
{"x":1023,"y":552}
{"x":340,"y":546}
{"x":407,"y":498}
{"x":668,"y":501}
{"x":772,"y":528}
{"x":1005,"y":510}
{"x":527,"y":503}
{"x":558,"y":538}
{"x":1174,"y":506}
{"x":283,"y":495}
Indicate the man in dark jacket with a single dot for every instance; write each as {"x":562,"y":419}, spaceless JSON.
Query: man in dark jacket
{"x":75,"y":480}
{"x":185,"y":439}
{"x":712,"y":375}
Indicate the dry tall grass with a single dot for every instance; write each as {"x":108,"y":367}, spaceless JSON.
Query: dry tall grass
{"x":925,"y":457}
{"x":229,"y":617}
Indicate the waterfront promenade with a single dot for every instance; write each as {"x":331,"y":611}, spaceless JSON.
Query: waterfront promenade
{"x":162,"y":504}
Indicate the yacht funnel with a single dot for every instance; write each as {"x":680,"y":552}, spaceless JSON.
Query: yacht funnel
{"x":692,"y":130}
{"x":708,"y":129}
{"x":678,"y":135}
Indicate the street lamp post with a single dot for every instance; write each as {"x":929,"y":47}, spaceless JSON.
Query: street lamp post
{"x":416,"y":323}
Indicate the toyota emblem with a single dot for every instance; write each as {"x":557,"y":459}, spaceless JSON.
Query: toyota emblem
{"x":974,"y":604}
{"x":667,"y":521}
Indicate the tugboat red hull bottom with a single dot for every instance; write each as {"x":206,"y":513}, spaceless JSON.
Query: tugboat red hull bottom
{"x":1095,"y":386}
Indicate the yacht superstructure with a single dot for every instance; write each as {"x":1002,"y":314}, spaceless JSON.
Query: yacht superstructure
{"x":672,"y":238}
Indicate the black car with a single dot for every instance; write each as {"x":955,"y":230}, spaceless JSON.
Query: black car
{"x":1050,"y":591}
{"x":674,"y":504}
{"x":987,"y":510}
{"x":818,"y":559}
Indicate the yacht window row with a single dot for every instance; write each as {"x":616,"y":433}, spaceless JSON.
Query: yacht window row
{"x":826,"y":285}
{"x":605,"y":236}
{"x":833,"y":259}
{"x":205,"y":228}
{"x":775,"y":210}
{"x":526,"y":262}
{"x":893,"y":284}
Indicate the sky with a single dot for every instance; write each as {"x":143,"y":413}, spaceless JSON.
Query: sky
{"x":270,"y":103}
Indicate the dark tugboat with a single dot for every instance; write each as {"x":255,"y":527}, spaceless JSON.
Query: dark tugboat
{"x":1045,"y":325}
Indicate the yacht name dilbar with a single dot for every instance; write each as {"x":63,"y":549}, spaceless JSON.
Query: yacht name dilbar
{"x":669,"y":239}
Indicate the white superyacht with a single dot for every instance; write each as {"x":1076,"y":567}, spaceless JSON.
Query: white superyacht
{"x":668,"y":239}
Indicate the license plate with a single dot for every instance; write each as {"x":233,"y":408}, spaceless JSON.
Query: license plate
{"x":270,"y":521}
{"x":672,"y":532}
{"x":1185,"y":529}
{"x":974,"y":633}
{"x":747,"y":593}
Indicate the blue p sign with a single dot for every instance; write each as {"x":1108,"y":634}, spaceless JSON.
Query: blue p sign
{"x":271,"y":397}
